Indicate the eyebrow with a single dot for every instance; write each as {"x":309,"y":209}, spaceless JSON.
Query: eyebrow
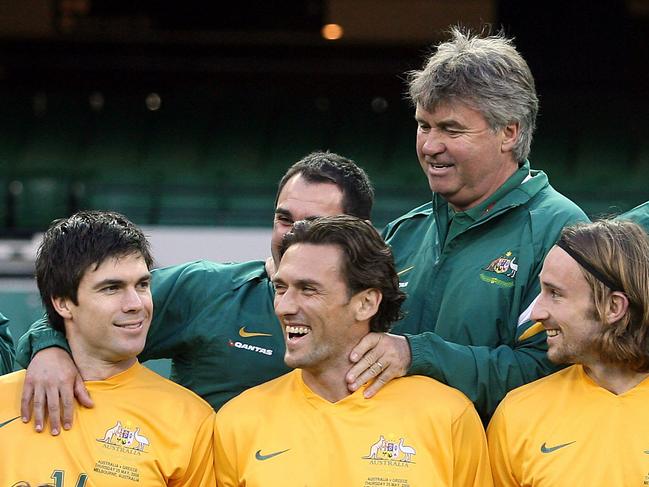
{"x":550,"y":284}
{"x":119,"y":282}
{"x":282,"y":211}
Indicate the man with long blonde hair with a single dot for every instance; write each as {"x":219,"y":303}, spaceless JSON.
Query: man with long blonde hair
{"x":587,"y":424}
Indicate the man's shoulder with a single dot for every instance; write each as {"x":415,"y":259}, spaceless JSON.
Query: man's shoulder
{"x":429,"y":393}
{"x":162,"y":389}
{"x":13,"y":379}
{"x":546,"y":202}
{"x":11,"y":387}
{"x":530,"y":396}
{"x":414,"y":217}
{"x":230,"y":274}
{"x":247,"y":404}
{"x":639,"y":214}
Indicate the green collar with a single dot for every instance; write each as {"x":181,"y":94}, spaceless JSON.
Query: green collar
{"x":477,"y":212}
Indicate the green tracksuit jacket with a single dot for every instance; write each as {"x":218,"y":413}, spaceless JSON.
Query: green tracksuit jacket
{"x":215,"y":321}
{"x":6,"y":347}
{"x":471,"y":278}
{"x":639,"y":214}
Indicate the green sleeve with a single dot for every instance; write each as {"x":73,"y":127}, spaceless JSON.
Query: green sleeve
{"x":6,"y":347}
{"x":40,"y":335}
{"x":483,"y":373}
{"x":178,"y":294}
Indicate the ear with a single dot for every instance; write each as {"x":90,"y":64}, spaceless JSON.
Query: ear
{"x":510,"y":137}
{"x":367,"y":304}
{"x":617,"y":306}
{"x":62,"y":307}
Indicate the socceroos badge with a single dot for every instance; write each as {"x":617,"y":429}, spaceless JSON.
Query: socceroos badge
{"x":501,"y":271}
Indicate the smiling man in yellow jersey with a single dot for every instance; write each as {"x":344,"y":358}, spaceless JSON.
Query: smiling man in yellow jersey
{"x":587,"y":424}
{"x":93,"y":274}
{"x":336,"y":281}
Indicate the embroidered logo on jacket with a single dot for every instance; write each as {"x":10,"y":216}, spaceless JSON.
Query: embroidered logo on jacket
{"x":505,"y":267}
{"x":125,"y":438}
{"x":390,"y":452}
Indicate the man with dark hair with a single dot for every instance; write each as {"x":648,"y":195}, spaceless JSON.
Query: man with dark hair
{"x":587,"y":424}
{"x":215,"y":321}
{"x":6,"y":347}
{"x":92,"y":271}
{"x":639,"y":214}
{"x":336,"y":281}
{"x":469,"y":259}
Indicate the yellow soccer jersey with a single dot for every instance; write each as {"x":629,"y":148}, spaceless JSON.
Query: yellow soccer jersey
{"x":144,"y":431}
{"x":415,"y":432}
{"x":565,"y":430}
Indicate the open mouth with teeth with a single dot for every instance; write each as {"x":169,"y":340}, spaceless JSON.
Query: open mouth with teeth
{"x":553,"y":332}
{"x":296,"y":332}
{"x":129,"y":325}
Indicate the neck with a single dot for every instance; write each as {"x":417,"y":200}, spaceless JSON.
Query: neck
{"x":92,"y":367}
{"x":613,"y":377}
{"x":329,"y":385}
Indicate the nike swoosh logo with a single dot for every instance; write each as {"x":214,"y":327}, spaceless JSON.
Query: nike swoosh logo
{"x":9,"y":421}
{"x":405,"y":270}
{"x":259,"y":456}
{"x":247,"y":334}
{"x":550,"y":449}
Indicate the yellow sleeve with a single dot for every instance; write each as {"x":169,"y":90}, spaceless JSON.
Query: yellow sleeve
{"x":499,"y":450}
{"x":224,"y":461}
{"x":470,"y":455}
{"x":200,"y":471}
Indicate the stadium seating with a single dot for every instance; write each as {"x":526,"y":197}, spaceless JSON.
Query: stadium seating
{"x":214,"y":156}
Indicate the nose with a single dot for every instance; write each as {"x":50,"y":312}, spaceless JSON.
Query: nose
{"x":285,"y":304}
{"x":539,"y":310}
{"x":432,"y":143}
{"x":132,"y":300}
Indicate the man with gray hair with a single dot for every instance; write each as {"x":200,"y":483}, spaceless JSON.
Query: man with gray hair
{"x":469,"y":260}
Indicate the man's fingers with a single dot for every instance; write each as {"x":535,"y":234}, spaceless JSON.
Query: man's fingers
{"x":365,"y":373}
{"x":388,"y":359}
{"x":367,"y":343}
{"x":82,"y":394}
{"x":38,"y":409}
{"x":26,"y":401}
{"x":54,"y":410}
{"x":379,"y":382}
{"x":363,"y":368}
{"x":67,"y":403}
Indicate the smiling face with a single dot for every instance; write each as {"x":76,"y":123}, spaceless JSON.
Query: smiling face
{"x":298,"y":200}
{"x":313,"y":305}
{"x":464,"y":160}
{"x":109,"y":323}
{"x":565,"y":307}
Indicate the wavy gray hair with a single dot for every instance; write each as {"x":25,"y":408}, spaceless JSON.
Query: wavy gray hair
{"x":486,"y":73}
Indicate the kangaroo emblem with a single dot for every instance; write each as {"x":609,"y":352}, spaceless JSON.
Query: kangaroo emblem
{"x":115,"y":430}
{"x":374,"y":450}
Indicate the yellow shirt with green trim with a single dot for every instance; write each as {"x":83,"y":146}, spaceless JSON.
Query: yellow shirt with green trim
{"x":143,"y":431}
{"x":415,"y":432}
{"x":565,"y":430}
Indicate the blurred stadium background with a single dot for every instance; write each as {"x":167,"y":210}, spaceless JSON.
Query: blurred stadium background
{"x":184,"y":114}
